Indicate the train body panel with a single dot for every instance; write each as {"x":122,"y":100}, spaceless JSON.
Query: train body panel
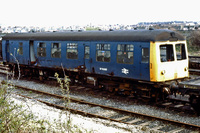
{"x":126,"y":54}
{"x":127,"y":67}
{"x":16,"y":50}
{"x":169,"y":62}
{"x":43,"y":56}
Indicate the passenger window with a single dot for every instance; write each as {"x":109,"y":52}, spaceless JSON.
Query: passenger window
{"x":87,"y":52}
{"x":145,"y":55}
{"x":166,"y":53}
{"x":56,"y":50}
{"x":41,"y":49}
{"x":72,"y":51}
{"x":180,"y":52}
{"x":20,"y":50}
{"x":103,"y":52}
{"x":125,"y":53}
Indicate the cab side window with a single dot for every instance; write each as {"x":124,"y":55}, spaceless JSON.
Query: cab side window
{"x":103,"y":52}
{"x":41,"y":49}
{"x":125,"y":53}
{"x":180,"y":52}
{"x":166,"y":53}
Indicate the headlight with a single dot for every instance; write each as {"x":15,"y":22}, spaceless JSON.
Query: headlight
{"x":163,"y":72}
{"x":186,"y":69}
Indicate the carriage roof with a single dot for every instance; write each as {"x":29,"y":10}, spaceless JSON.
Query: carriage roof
{"x":123,"y":35}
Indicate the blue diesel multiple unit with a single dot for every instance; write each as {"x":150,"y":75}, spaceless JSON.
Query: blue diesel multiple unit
{"x":125,"y":54}
{"x":132,"y":62}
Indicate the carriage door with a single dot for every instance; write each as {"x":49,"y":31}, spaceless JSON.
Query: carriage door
{"x":7,"y":51}
{"x":87,"y":58}
{"x":32,"y":55}
{"x":144,"y":68}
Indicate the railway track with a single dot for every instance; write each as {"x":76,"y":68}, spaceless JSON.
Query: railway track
{"x":172,"y":104}
{"x":194,"y":65}
{"x":106,"y":112}
{"x":123,"y":116}
{"x":4,"y":69}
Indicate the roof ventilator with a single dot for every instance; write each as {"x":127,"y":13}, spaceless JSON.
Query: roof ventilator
{"x":173,"y":37}
{"x":172,"y":34}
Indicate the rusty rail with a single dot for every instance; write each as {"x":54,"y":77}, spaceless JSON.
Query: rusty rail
{"x":181,"y":124}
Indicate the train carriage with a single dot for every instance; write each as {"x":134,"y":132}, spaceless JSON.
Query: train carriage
{"x":143,"y":63}
{"x":117,"y":60}
{"x":150,"y":55}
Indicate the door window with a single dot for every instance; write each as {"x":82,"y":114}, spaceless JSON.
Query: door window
{"x":41,"y":49}
{"x":20,"y":50}
{"x":87,"y":52}
{"x":145,"y":55}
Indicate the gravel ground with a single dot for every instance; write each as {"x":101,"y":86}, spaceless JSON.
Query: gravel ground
{"x":103,"y":100}
{"x":93,"y":125}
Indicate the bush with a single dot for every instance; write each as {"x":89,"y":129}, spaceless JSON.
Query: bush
{"x":12,"y":117}
{"x":193,"y":41}
{"x":195,"y":38}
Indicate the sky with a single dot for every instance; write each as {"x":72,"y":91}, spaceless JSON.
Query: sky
{"x":95,"y":12}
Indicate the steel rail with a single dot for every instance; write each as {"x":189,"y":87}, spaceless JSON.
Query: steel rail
{"x":182,"y":124}
{"x":193,"y":57}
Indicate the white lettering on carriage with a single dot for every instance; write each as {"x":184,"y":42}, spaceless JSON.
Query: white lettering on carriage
{"x":103,"y":69}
